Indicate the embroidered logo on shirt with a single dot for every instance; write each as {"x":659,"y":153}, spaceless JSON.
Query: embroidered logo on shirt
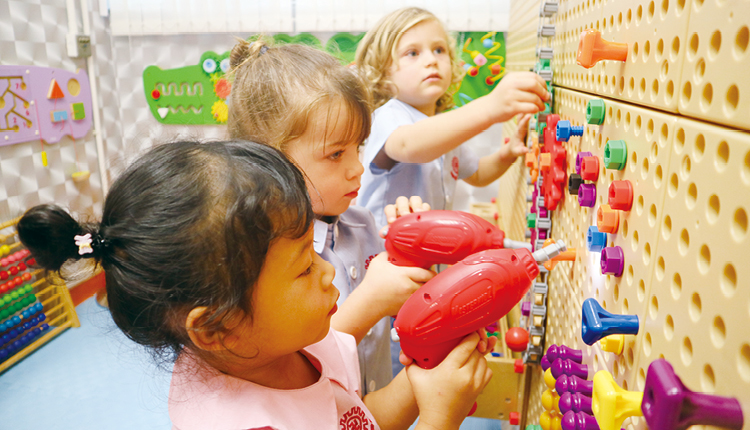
{"x":355,"y":419}
{"x":454,"y":168}
{"x":367,"y":262}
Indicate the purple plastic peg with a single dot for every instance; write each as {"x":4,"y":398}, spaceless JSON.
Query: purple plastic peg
{"x":544,"y":362}
{"x":612,"y":261}
{"x":669,"y":405}
{"x":542,"y":234}
{"x":569,"y":367}
{"x":525,"y":308}
{"x":587,"y":195}
{"x":579,"y":421}
{"x":575,"y":402}
{"x":561,"y":351}
{"x":574,"y":384}
{"x":543,"y":213}
{"x":579,"y":159}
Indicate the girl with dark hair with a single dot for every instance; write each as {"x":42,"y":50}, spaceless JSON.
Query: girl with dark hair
{"x":207,"y":250}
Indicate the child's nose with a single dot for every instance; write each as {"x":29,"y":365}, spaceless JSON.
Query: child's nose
{"x":356,"y":170}
{"x":329,"y":272}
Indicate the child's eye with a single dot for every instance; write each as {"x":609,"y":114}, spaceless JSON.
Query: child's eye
{"x":411,"y":53}
{"x":440,"y":50}
{"x":336,"y":155}
{"x":308,"y":270}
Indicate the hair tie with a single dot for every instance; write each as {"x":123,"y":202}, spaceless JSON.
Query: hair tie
{"x":87,"y":244}
{"x":84,"y":244}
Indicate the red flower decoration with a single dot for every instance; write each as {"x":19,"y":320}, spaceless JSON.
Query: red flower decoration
{"x":222,"y":88}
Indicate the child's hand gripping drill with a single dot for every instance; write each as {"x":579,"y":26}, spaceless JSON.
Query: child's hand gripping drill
{"x":442,"y":237}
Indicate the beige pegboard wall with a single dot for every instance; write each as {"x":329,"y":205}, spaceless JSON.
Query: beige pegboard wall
{"x":512,"y":192}
{"x":574,"y":16}
{"x":715,"y":85}
{"x":520,"y":51}
{"x":655,"y":32}
{"x":683,"y":241}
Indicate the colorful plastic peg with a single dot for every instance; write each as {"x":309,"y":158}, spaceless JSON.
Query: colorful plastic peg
{"x":614,"y":343}
{"x":574,"y":402}
{"x":579,"y":158}
{"x":574,"y":183}
{"x":544,"y":362}
{"x":607,"y":219}
{"x":596,"y":241}
{"x":597,"y":323}
{"x":567,"y":255}
{"x":615,"y":154}
{"x":555,"y":352}
{"x":590,"y":168}
{"x":621,"y":195}
{"x":669,"y":405}
{"x":550,"y":400}
{"x":565,"y":130}
{"x":579,"y":421}
{"x":587,"y":195}
{"x":595,"y":110}
{"x":592,"y":49}
{"x":570,"y":368}
{"x":612,"y":261}
{"x":550,"y":421}
{"x":612,"y":404}
{"x":574,"y":384}
{"x":549,"y":379}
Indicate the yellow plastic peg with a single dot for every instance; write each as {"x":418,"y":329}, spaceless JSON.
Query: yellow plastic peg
{"x":611,"y":404}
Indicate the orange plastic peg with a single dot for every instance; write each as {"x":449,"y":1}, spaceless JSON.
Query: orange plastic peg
{"x":592,"y":48}
{"x":567,"y":255}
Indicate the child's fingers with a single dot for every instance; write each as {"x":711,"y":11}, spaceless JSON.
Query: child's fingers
{"x":491,"y":342}
{"x":461,"y":354}
{"x":418,"y":274}
{"x":402,"y":206}
{"x":383,"y":231}
{"x":417,"y":205}
{"x":404,"y":359}
{"x":390,"y":213}
{"x":524,"y":121}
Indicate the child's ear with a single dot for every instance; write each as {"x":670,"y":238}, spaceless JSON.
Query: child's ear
{"x":203,"y":338}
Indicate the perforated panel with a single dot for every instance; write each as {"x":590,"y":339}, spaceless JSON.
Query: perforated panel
{"x":655,"y":32}
{"x":714,"y":74}
{"x":574,"y":16}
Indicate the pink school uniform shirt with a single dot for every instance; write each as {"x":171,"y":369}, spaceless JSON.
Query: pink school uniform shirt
{"x":201,"y":398}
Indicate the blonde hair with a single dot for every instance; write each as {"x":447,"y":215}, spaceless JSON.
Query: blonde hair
{"x":276,"y":89}
{"x":377,"y":52}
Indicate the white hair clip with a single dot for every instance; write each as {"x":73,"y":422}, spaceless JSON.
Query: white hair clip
{"x":84,"y":244}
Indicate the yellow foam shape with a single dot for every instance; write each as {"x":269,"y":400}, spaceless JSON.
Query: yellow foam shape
{"x":611,"y":404}
{"x":550,"y":421}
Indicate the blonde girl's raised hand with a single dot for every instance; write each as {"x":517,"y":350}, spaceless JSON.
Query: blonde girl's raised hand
{"x":446,"y":393}
{"x":518,"y":92}
{"x":403,"y":206}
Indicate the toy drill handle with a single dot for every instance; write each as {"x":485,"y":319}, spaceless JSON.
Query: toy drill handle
{"x":439,"y":237}
{"x":470,"y":295}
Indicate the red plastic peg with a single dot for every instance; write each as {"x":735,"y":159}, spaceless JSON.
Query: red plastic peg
{"x":592,"y":49}
{"x":621,"y":195}
{"x":590,"y":168}
{"x":517,"y":339}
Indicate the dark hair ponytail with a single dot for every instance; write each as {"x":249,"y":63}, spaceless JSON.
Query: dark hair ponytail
{"x":49,"y":232}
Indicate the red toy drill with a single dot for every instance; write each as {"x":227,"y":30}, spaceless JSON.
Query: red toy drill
{"x":442,"y":237}
{"x":473,"y":293}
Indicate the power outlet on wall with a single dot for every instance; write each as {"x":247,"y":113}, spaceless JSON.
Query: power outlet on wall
{"x":79,"y":45}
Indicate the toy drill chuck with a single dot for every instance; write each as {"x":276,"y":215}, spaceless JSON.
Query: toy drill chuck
{"x":441,"y":237}
{"x":471,"y":294}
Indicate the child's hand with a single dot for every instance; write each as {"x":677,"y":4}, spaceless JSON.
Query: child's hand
{"x":485,"y":345}
{"x":446,"y":393}
{"x":518,"y":92}
{"x":405,"y":206}
{"x":516,"y":145}
{"x":390,"y":286}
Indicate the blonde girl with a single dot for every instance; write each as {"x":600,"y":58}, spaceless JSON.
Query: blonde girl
{"x":415,"y":147}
